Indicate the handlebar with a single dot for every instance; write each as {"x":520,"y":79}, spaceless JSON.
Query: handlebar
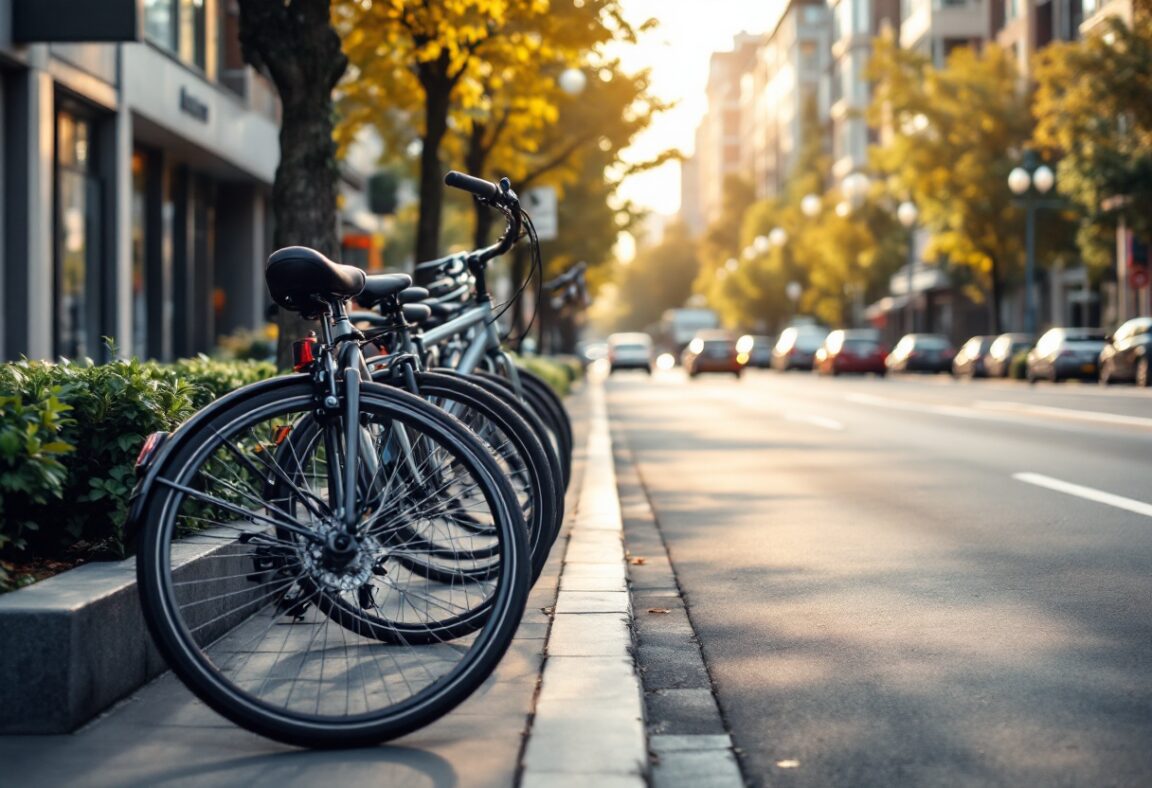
{"x":568,"y":277}
{"x":499,"y":196}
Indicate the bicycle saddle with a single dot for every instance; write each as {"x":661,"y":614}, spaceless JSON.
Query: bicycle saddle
{"x":416,"y":313}
{"x":379,"y":287}
{"x":303,"y":280}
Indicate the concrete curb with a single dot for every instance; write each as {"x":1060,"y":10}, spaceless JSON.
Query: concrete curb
{"x":71,"y":646}
{"x":589,"y":723}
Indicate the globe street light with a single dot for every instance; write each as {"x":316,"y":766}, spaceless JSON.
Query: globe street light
{"x":778,"y":236}
{"x":810,"y":205}
{"x":761,"y":244}
{"x":907,"y":213}
{"x":1030,"y":181}
{"x":572,"y":81}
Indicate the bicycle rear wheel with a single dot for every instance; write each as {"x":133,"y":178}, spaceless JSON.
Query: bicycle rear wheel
{"x":240,"y":578}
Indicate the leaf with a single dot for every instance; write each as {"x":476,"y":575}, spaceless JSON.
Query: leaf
{"x":659,"y":610}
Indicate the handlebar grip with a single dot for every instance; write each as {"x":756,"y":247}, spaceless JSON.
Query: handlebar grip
{"x":478,"y":186}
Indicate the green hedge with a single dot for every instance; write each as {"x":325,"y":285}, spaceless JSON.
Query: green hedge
{"x":559,"y":372}
{"x":69,"y":436}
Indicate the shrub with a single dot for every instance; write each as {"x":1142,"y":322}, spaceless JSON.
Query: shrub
{"x":555,"y":372}
{"x":65,"y":479}
{"x":1018,"y":366}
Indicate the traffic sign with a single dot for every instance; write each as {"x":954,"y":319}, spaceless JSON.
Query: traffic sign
{"x":540,"y":203}
{"x":1138,"y":277}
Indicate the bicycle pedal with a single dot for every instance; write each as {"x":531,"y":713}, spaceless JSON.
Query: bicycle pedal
{"x":367,"y":597}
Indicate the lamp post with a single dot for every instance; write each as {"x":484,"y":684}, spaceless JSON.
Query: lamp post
{"x":907,"y":213}
{"x":1029,"y":182}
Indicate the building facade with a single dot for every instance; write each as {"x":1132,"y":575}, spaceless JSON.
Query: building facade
{"x":135,"y":179}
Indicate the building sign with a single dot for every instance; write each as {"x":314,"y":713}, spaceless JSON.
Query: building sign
{"x":193,"y":106}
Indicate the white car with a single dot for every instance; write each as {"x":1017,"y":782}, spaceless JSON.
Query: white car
{"x":630,"y":350}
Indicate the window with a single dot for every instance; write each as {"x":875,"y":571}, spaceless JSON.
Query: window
{"x":77,"y":273}
{"x":180,"y":27}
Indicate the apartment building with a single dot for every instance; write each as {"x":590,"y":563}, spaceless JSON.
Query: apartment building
{"x":139,"y":152}
{"x":718,"y":138}
{"x":786,"y":76}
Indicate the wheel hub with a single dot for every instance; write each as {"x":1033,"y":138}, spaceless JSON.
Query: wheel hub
{"x":339,"y":561}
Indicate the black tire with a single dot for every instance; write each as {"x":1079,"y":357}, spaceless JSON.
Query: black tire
{"x":550,"y":413}
{"x":513,"y":440}
{"x":1142,"y":375}
{"x":500,"y":389}
{"x":242,"y":625}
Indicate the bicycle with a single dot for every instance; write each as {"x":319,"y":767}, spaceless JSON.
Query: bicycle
{"x":288,"y":535}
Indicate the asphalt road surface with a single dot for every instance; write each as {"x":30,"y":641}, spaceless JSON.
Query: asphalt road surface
{"x":911,"y":581}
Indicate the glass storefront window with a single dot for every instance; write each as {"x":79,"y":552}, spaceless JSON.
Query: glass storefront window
{"x":78,"y":207}
{"x":139,"y":256}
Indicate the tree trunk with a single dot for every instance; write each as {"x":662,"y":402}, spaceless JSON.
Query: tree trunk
{"x":995,"y":295}
{"x":294,"y":44}
{"x":475,"y":160}
{"x":437,"y":89}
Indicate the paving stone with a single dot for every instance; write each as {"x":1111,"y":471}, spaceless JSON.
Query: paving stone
{"x":590,"y":635}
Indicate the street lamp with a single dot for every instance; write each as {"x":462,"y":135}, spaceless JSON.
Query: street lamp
{"x":907,"y":213}
{"x":778,"y":236}
{"x":761,"y":244}
{"x":1029,"y":182}
{"x":572,"y":81}
{"x":810,"y":205}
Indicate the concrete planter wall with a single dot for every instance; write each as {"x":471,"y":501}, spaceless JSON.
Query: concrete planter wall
{"x":74,"y":644}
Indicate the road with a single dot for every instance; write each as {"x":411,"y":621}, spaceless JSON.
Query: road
{"x":911,"y":581}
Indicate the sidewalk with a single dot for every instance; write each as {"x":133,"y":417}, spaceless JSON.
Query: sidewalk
{"x":564,"y":708}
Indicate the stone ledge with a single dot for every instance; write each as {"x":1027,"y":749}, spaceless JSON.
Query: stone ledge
{"x":74,"y":644}
{"x":70,"y":646}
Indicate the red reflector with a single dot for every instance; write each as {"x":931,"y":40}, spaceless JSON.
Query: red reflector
{"x":303,"y":353}
{"x":148,"y":450}
{"x":281,"y":433}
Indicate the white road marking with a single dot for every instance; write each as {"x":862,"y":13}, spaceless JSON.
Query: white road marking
{"x":1089,"y":493}
{"x":916,"y":407}
{"x":818,"y":421}
{"x":1066,"y":413}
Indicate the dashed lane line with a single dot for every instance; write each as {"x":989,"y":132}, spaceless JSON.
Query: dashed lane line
{"x":1088,"y":493}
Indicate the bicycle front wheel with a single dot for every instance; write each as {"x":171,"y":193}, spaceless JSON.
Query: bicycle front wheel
{"x":242,"y":565}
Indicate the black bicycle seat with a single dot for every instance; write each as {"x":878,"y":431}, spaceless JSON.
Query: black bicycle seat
{"x":303,"y":280}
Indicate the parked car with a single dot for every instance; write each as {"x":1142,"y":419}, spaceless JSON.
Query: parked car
{"x":921,"y":353}
{"x":1128,"y":353}
{"x":972,"y":358}
{"x":757,"y":350}
{"x":711,"y":352}
{"x":851,"y":350}
{"x":998,"y":363}
{"x":797,"y":346}
{"x":630,"y":350}
{"x":1066,"y":353}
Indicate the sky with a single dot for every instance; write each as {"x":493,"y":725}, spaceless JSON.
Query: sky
{"x":678,"y":52}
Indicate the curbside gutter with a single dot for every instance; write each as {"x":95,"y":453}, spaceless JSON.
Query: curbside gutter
{"x":589,"y":726}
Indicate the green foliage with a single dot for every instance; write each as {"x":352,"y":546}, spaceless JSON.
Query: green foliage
{"x":1017,"y":367}
{"x":67,"y":460}
{"x":659,"y":278}
{"x":30,"y":452}
{"x":557,"y":371}
{"x":1094,"y":108}
{"x":957,"y":133}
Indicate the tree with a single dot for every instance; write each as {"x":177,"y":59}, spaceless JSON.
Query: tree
{"x":955,"y":135}
{"x":484,"y":67}
{"x":1094,"y":109}
{"x":293,"y":43}
{"x":659,"y":278}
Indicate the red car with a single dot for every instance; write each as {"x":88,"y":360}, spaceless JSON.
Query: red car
{"x":857,"y":351}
